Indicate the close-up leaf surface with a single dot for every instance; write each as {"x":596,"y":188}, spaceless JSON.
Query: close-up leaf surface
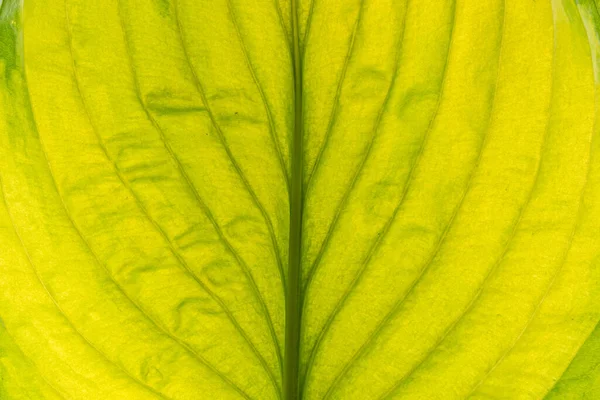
{"x":299,"y":199}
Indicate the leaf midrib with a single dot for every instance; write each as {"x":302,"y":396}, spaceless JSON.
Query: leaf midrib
{"x":292,"y":298}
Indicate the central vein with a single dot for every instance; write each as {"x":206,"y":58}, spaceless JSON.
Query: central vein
{"x":292,"y":305}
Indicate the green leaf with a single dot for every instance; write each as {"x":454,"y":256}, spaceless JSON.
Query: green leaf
{"x":582,"y":379}
{"x":285,"y":199}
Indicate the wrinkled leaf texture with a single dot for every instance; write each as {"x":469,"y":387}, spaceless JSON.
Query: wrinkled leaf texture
{"x":450,"y":232}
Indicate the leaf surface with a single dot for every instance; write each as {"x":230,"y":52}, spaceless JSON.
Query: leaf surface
{"x":299,"y":199}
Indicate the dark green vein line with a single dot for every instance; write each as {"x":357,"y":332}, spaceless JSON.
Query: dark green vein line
{"x":564,"y":257}
{"x":272,"y":130}
{"x":381,"y":325}
{"x":346,"y":196}
{"x":28,"y":357}
{"x":221,"y":136}
{"x":198,"y":197}
{"x":185,"y":267}
{"x":62,"y":312}
{"x":120,"y":287}
{"x":288,"y":39}
{"x":292,"y":301}
{"x":307,"y":28}
{"x":336,"y":99}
